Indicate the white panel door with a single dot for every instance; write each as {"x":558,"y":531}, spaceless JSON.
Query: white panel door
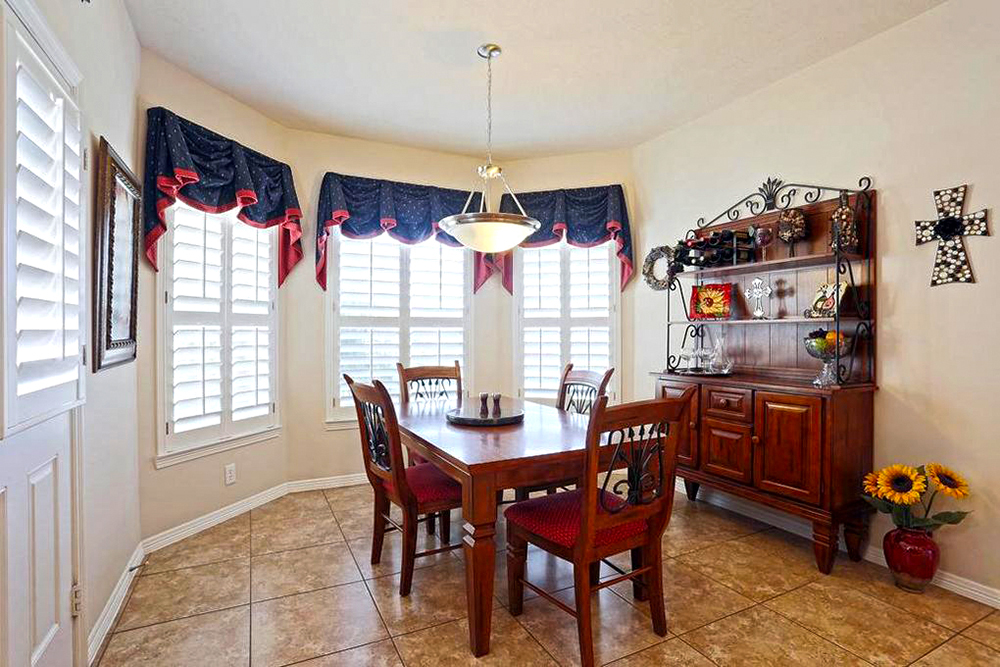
{"x":35,"y":562}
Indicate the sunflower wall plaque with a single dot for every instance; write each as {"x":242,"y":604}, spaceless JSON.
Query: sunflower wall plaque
{"x":712,"y":302}
{"x":951,"y":263}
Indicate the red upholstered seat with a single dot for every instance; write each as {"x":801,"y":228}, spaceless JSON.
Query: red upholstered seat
{"x":557,"y":518}
{"x":430,"y":485}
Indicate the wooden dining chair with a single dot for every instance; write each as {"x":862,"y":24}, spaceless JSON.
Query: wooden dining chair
{"x":417,"y":490}
{"x":578,"y":390}
{"x":428,"y":383}
{"x":605,"y":517}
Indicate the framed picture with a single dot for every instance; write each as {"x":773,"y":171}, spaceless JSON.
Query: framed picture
{"x":712,"y":302}
{"x":116,"y":260}
{"x":824,"y":303}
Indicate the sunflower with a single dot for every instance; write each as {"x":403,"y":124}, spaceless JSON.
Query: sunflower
{"x":948,"y":481}
{"x":901,"y":484}
{"x":871,"y":484}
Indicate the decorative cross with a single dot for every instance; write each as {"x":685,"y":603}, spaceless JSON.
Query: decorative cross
{"x":756,"y":292}
{"x":951,"y":263}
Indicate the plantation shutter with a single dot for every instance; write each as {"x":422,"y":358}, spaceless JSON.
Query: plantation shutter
{"x":251,"y":298}
{"x":437,"y":296}
{"x":566,"y":304}
{"x":44,"y":286}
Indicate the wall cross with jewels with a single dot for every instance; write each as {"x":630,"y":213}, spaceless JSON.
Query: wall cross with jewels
{"x":951,"y":262}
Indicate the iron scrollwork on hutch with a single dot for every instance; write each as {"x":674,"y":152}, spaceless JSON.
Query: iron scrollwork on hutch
{"x":635,"y":451}
{"x":776,"y":195}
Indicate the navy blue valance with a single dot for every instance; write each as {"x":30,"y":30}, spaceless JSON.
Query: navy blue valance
{"x":367,"y":207}
{"x":214,"y":174}
{"x":584,"y":217}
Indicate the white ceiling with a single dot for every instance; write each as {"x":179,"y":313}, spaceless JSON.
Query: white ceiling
{"x":574,"y":75}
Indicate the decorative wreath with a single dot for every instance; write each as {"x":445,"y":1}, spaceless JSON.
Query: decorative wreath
{"x":660,"y":252}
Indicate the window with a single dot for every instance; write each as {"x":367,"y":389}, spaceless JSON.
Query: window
{"x":567,"y":313}
{"x":390,"y":302}
{"x":43,"y":289}
{"x":220,"y":329}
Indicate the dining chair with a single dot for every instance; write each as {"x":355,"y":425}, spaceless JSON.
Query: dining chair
{"x":592,"y":523}
{"x":417,"y":490}
{"x":428,"y":383}
{"x":578,"y":390}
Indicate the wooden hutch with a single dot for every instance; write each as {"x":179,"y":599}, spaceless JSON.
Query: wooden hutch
{"x":765,"y":432}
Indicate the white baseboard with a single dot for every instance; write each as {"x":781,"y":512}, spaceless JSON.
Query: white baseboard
{"x":326,"y":482}
{"x":952,"y":582}
{"x":113,"y":605}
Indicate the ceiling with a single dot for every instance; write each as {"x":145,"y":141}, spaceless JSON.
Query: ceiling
{"x":574,"y":76}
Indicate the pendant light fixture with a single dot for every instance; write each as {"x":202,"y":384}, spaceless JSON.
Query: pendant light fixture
{"x":485,"y":230}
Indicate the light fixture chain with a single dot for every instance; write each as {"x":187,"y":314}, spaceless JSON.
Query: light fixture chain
{"x":489,"y":109}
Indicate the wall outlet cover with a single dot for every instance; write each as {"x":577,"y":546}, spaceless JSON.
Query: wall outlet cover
{"x":230,"y":473}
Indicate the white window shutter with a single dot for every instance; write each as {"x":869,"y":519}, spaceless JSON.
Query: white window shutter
{"x":44,"y":287}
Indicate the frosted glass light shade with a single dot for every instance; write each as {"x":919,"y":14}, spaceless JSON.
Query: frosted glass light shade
{"x":489,"y":232}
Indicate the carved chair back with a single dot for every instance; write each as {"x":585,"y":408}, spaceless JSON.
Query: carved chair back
{"x":429,"y":382}
{"x":578,"y":390}
{"x":641,"y":440}
{"x":381,"y":448}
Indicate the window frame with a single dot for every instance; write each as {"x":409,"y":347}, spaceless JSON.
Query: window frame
{"x":174,"y":448}
{"x":45,"y":52}
{"x":565,"y":320}
{"x":339,"y":417}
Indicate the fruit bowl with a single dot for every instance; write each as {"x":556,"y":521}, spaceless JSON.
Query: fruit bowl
{"x":824,"y":345}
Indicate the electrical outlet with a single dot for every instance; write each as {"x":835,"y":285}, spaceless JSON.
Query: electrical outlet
{"x":230,"y":473}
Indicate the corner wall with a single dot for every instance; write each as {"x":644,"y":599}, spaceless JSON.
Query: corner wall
{"x":916,"y":108}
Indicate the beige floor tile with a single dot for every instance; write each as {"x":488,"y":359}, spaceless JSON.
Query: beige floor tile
{"x":346,"y":497}
{"x":987,"y":631}
{"x":448,"y":644}
{"x":935,"y":603}
{"x":754,"y":568}
{"x":691,"y":599}
{"x":302,"y":570}
{"x":291,"y":505}
{"x":195,"y":590}
{"x":356,"y":522}
{"x":437,"y":595}
{"x":696,"y":525}
{"x":619,"y":628}
{"x":230,"y":539}
{"x":390,"y":562}
{"x":960,"y":652}
{"x":880,"y":633}
{"x":671,"y":653}
{"x":759,"y":637}
{"x":280,"y":533}
{"x":378,"y":654}
{"x":308,"y":625}
{"x":224,"y":635}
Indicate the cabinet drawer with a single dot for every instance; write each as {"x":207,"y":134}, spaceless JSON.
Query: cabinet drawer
{"x":727,"y":403}
{"x":726,"y":449}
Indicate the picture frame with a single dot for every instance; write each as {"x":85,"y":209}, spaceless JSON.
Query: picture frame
{"x":117,"y":219}
{"x":824,"y":303}
{"x":712,"y":302}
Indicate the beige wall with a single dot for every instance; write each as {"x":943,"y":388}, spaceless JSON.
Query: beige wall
{"x":916,"y":108}
{"x":102,"y":43}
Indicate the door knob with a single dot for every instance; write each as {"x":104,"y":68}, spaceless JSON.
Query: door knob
{"x":692,"y":425}
{"x":755,"y":440}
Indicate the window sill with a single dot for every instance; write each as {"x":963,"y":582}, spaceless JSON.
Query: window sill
{"x":199,"y":451}
{"x":341,"y":424}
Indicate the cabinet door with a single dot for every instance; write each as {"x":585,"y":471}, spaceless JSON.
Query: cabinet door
{"x":687,"y":439}
{"x":789,"y":442}
{"x":726,"y":449}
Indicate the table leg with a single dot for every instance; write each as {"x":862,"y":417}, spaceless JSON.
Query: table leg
{"x":479,"y":509}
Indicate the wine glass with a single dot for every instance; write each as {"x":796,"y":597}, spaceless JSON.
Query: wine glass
{"x":763,"y":237}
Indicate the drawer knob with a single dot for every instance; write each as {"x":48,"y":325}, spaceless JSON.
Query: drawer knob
{"x":723,"y":402}
{"x":755,"y":440}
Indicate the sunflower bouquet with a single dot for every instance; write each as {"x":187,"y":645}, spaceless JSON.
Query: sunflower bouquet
{"x":898,"y":489}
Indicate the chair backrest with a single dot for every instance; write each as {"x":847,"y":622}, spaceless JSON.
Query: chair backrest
{"x":578,"y":390}
{"x":641,"y":440}
{"x":429,"y":382}
{"x":381,"y":448}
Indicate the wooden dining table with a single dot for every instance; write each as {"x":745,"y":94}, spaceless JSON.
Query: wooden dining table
{"x":548,"y":446}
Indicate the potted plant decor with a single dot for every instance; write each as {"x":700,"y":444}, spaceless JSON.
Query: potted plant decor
{"x":901,"y":491}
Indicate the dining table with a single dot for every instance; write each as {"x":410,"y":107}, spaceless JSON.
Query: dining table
{"x":547,"y":446}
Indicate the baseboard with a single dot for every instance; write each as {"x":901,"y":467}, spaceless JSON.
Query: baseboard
{"x":952,"y":582}
{"x":114,"y":604}
{"x":327,"y":482}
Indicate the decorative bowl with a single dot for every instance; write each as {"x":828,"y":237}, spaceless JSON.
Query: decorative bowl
{"x":825,"y":350}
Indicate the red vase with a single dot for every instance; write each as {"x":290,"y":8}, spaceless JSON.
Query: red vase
{"x":913,"y":557}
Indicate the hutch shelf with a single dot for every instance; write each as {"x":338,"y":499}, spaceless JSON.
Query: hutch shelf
{"x":765,"y":432}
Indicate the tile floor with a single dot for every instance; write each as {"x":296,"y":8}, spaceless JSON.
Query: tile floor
{"x":290,"y":583}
